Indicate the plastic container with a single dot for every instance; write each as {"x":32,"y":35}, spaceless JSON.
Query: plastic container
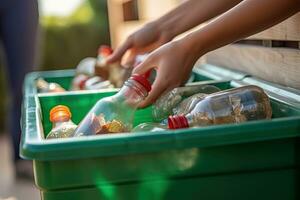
{"x":252,"y":160}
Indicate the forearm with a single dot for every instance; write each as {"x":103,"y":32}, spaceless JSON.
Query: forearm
{"x":190,"y":14}
{"x":245,"y":19}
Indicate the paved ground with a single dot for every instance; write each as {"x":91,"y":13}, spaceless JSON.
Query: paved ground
{"x":11,"y":188}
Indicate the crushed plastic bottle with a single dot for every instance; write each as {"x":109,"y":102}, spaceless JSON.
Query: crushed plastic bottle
{"x":163,"y":107}
{"x":44,"y":87}
{"x":115,"y":114}
{"x":62,"y":125}
{"x":230,"y":106}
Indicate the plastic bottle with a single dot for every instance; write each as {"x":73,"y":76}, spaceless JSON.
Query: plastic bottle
{"x":152,"y":127}
{"x":115,"y":114}
{"x":44,"y":87}
{"x":63,"y":126}
{"x":89,"y":68}
{"x":187,"y":105}
{"x":230,"y":106}
{"x":96,"y":83}
{"x":84,"y":70}
{"x":163,"y":107}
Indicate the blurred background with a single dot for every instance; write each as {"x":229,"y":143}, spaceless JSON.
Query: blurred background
{"x":69,"y":31}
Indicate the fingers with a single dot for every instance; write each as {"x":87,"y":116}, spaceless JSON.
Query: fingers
{"x":159,"y":87}
{"x":128,"y":59}
{"x":145,"y":66}
{"x":120,"y":51}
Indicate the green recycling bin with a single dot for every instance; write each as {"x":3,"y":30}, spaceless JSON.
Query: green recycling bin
{"x":252,"y":160}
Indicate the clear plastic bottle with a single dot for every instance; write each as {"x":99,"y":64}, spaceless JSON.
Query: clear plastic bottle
{"x":86,"y":66}
{"x":94,"y":73}
{"x":96,"y":83}
{"x":44,"y":87}
{"x":63,"y":126}
{"x":115,"y":114}
{"x":84,"y":70}
{"x":188,"y":104}
{"x":163,"y":107}
{"x":152,"y":127}
{"x":230,"y":106}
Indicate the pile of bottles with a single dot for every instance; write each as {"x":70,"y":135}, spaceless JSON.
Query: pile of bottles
{"x":184,"y":107}
{"x":94,"y":73}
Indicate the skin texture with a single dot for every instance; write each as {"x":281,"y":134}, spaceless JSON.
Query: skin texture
{"x":156,"y":33}
{"x":174,"y":60}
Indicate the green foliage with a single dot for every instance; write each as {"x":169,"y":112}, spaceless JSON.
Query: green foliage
{"x":68,"y":40}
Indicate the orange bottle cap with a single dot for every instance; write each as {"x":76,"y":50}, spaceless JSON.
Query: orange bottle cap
{"x":60,"y":113}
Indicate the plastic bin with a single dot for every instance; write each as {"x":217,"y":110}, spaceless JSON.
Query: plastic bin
{"x":253,"y":160}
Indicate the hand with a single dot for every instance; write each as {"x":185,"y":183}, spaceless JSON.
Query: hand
{"x":174,"y":62}
{"x":142,"y":41}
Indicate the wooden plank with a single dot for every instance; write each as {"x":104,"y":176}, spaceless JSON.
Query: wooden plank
{"x":125,"y":29}
{"x":286,"y":30}
{"x":277,"y":65}
{"x":115,"y":15}
{"x":152,"y":9}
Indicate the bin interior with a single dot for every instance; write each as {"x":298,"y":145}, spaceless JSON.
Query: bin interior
{"x":65,"y":79}
{"x":80,"y":104}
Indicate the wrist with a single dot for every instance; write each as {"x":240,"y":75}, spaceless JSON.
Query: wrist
{"x":194,"y":47}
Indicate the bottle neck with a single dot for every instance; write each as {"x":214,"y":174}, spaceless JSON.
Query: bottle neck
{"x":178,"y":122}
{"x":132,"y":93}
{"x":60,"y":121}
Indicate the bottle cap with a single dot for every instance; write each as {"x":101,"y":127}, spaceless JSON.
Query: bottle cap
{"x":105,"y":50}
{"x":177,"y":122}
{"x":142,"y":80}
{"x":60,"y":113}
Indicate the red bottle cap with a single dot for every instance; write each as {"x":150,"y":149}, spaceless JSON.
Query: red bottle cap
{"x":142,"y":80}
{"x":105,"y":50}
{"x":177,"y":122}
{"x":148,"y":73}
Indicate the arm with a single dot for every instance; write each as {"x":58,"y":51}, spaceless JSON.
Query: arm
{"x":245,"y":19}
{"x":174,"y":60}
{"x":188,"y":15}
{"x":192,"y":13}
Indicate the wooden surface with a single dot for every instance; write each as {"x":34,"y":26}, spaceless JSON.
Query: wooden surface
{"x":277,"y":65}
{"x":115,"y":15}
{"x":286,"y":30}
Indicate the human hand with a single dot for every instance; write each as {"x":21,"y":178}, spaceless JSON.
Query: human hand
{"x":145,"y":40}
{"x":174,"y":62}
